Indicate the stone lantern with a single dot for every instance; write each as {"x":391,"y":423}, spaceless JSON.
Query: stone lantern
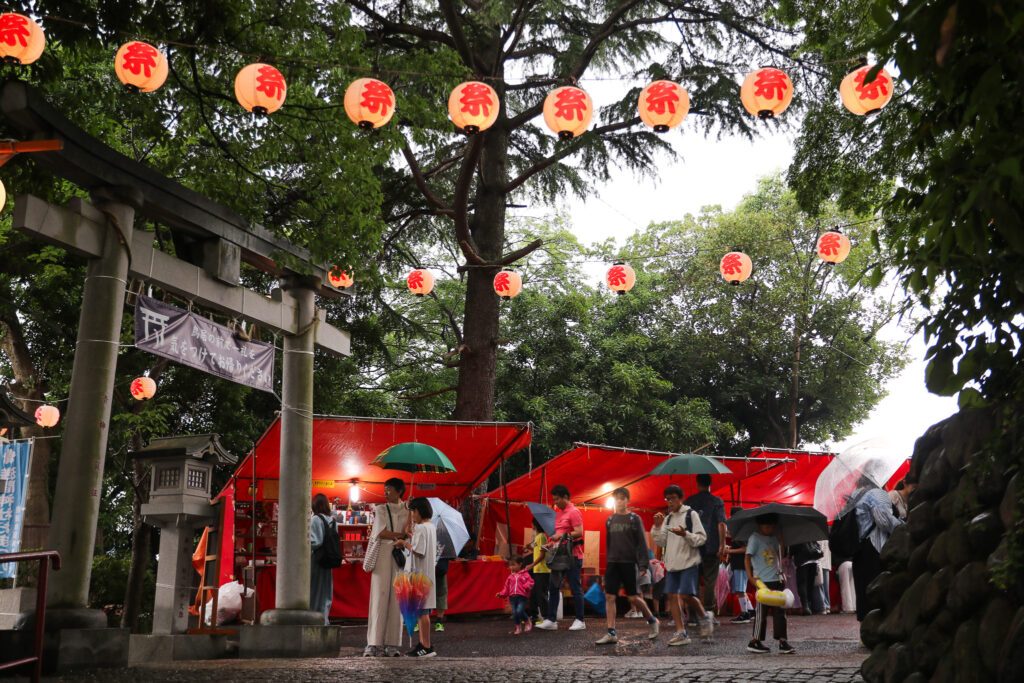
{"x":179,"y":503}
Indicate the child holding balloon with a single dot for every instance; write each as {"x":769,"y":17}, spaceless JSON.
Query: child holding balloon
{"x":764,"y":566}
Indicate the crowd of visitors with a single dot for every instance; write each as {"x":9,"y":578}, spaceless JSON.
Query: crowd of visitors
{"x":689,"y":559}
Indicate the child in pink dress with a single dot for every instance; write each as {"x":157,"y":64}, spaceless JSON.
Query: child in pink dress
{"x":517,"y":590}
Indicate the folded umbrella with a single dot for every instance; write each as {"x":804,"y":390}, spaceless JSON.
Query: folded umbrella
{"x":544,"y":515}
{"x":798,"y":524}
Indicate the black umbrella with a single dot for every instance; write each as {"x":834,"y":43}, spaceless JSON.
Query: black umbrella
{"x":798,"y":524}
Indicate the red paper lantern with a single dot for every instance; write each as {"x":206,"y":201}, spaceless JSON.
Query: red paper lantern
{"x":260,"y":88}
{"x":21,"y":39}
{"x":420,"y":282}
{"x":473,"y":106}
{"x":369,"y":103}
{"x":833,"y":247}
{"x":567,"y":111}
{"x":47,"y":416}
{"x":866,"y":98}
{"x":339,"y":278}
{"x":507,"y":284}
{"x":735,"y":267}
{"x":620,"y":278}
{"x":766,"y":92}
{"x":142,"y":388}
{"x":140,"y":66}
{"x":663,"y":105}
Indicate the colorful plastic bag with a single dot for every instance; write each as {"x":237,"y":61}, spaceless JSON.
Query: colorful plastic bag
{"x":595,"y":596}
{"x":723,"y":587}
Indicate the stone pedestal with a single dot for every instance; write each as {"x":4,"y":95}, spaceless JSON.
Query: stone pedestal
{"x":174,"y":579}
{"x":172,"y":648}
{"x":13,"y":602}
{"x":69,"y":649}
{"x":259,"y":642}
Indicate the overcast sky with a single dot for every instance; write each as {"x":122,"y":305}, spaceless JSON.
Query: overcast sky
{"x":721,"y":172}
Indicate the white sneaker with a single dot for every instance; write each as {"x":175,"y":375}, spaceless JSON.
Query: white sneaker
{"x":707,"y":625}
{"x":633,"y":614}
{"x":655,"y":628}
{"x":606,"y":639}
{"x":578,"y":626}
{"x":548,"y":625}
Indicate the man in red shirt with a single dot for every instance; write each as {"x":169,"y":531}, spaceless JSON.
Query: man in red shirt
{"x":568,"y":524}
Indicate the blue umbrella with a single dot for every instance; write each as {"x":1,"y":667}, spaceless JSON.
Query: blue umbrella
{"x":451,"y":527}
{"x":544,"y":515}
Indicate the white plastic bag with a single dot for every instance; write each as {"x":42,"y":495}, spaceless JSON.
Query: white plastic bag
{"x":229,"y":603}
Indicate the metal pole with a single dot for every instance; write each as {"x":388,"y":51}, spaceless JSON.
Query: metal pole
{"x":80,"y":473}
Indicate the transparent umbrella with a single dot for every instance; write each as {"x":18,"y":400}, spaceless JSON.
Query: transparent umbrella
{"x":875,"y":460}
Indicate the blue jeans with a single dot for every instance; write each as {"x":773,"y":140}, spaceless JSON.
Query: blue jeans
{"x":573,"y":574}
{"x":518,"y":603}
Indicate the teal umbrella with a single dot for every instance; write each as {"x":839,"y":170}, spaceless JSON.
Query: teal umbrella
{"x":691,"y":463}
{"x":413,"y":457}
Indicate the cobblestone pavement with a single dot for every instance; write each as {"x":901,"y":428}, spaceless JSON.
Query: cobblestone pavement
{"x":480,"y":649}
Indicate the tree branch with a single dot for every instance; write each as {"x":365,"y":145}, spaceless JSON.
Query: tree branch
{"x":514,"y":256}
{"x":428,"y":395}
{"x":462,"y":187}
{"x":421,"y":182}
{"x":451,"y":17}
{"x":400,"y":28}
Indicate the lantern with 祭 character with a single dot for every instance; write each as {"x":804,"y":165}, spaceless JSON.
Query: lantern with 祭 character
{"x":260,"y":88}
{"x":866,"y":98}
{"x":369,"y":103}
{"x":21,"y":39}
{"x":663,"y":105}
{"x":420,"y":282}
{"x":473,"y":107}
{"x":833,"y":247}
{"x":340,"y":278}
{"x":142,"y":388}
{"x":47,"y":416}
{"x":620,"y":278}
{"x":507,"y":283}
{"x":140,"y":66}
{"x":766,"y":92}
{"x":735,"y":267}
{"x":567,"y":111}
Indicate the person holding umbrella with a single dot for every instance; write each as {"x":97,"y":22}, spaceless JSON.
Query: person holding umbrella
{"x":763,"y":562}
{"x":384,"y":622}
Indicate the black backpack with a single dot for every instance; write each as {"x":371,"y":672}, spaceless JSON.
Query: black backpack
{"x":328,"y":555}
{"x":844,"y":536}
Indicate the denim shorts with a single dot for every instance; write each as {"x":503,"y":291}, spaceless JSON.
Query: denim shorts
{"x":739,"y":581}
{"x":683,"y":581}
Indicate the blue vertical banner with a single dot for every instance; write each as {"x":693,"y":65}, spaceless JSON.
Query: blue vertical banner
{"x":14,"y":459}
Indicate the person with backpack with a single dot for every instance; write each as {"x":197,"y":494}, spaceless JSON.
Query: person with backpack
{"x":565,"y":559}
{"x":711,"y":509}
{"x":872,"y":511}
{"x":681,"y":535}
{"x":325,"y":547}
{"x":626,"y":551}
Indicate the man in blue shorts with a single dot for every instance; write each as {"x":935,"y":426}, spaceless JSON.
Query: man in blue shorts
{"x":681,"y":534}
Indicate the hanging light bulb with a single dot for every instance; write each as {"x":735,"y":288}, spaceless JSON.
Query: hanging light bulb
{"x":353,"y":492}
{"x":610,"y":503}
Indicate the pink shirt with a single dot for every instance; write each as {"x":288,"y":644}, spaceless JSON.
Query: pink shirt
{"x":565,"y":521}
{"x":518,"y":583}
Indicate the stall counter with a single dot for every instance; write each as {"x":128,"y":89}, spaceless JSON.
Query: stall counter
{"x":471,"y":588}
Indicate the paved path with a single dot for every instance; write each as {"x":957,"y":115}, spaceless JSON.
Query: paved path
{"x":480,"y":649}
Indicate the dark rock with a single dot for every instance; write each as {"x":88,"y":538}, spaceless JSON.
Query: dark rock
{"x":1008,"y":507}
{"x":945,"y":508}
{"x":898,"y":663}
{"x":928,"y":647}
{"x":968,"y":666}
{"x":992,"y":629}
{"x":1011,"y":663}
{"x":967,"y":503}
{"x":969,"y":589}
{"x":869,"y":628}
{"x":944,"y":672}
{"x":989,"y":482}
{"x":877,"y":593}
{"x":984,"y":532}
{"x":936,"y":476}
{"x":916,"y":677}
{"x":937,"y":556}
{"x":946,"y":622}
{"x":921,"y":521}
{"x":919,"y":558}
{"x":958,"y":546}
{"x":933,"y":598}
{"x":873,"y":668}
{"x":896,"y":551}
{"x":998,"y":557}
{"x":902,"y":618}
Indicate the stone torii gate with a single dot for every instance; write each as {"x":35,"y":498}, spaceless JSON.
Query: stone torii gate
{"x":211,"y":241}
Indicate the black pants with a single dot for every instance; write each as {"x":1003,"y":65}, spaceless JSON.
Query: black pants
{"x":778,"y":615}
{"x":805,"y":576}
{"x":866,"y":566}
{"x":539,"y":595}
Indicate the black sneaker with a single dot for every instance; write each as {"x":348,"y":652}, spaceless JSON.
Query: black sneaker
{"x":784,"y":648}
{"x":758,"y":647}
{"x":740,"y":618}
{"x":420,"y":651}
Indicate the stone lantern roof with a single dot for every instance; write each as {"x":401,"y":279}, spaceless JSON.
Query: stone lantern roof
{"x":11,"y":415}
{"x":203,"y":447}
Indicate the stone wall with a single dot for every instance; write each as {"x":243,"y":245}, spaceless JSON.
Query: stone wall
{"x":935,"y":613}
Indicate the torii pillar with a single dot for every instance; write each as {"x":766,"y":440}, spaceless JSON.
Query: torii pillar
{"x":296,"y":477}
{"x":87,"y":419}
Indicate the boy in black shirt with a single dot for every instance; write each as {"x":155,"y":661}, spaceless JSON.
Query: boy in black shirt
{"x":626,"y":550}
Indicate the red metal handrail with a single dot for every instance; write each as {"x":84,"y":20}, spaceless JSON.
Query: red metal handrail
{"x":42,"y":556}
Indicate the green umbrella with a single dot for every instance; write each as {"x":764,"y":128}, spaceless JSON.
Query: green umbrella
{"x":691,"y":463}
{"x":414,"y":457}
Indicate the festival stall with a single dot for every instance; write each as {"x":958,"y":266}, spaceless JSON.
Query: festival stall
{"x":343,"y":448}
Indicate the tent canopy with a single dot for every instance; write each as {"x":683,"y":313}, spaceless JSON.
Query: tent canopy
{"x":592,"y":472}
{"x":344,"y":446}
